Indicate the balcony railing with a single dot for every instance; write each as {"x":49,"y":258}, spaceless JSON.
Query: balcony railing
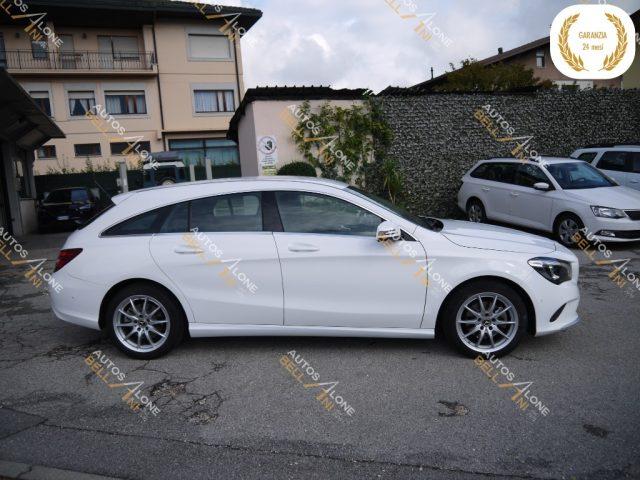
{"x":99,"y":61}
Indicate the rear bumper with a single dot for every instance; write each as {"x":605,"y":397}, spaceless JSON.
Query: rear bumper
{"x":78,"y":302}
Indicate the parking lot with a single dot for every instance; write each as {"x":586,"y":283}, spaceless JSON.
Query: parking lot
{"x":229,"y":408}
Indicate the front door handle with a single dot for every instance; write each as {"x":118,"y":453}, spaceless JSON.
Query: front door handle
{"x":634,"y":181}
{"x":514,"y":194}
{"x":187,"y":250}
{"x":302,"y":247}
{"x":486,"y":189}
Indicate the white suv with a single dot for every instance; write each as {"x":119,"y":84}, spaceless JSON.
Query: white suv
{"x":559,"y":195}
{"x":620,"y":162}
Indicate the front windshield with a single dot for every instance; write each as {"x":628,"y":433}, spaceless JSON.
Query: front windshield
{"x":429,"y":223}
{"x":578,"y":175}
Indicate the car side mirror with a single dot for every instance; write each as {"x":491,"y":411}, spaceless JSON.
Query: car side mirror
{"x":542,"y":186}
{"x":388,"y":231}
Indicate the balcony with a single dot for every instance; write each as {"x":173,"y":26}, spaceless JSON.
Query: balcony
{"x":80,"y":63}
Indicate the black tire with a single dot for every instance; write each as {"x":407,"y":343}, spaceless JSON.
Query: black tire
{"x":476,"y":212}
{"x":170,"y":308}
{"x":561,"y":226}
{"x":461,"y":297}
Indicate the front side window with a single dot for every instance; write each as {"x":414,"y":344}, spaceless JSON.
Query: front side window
{"x":207,"y":101}
{"x":79,"y":196}
{"x":240,"y":212}
{"x":80,"y":102}
{"x":614,"y":161}
{"x":87,"y":149}
{"x":209,"y":47}
{"x":42,"y":100}
{"x":635,"y":159}
{"x":528,"y":175}
{"x":125,"y":103}
{"x":578,"y":175}
{"x":303,"y":212}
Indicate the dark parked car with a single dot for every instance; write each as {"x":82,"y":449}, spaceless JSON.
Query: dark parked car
{"x":66,"y":208}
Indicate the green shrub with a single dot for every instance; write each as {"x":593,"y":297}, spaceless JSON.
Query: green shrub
{"x":298,"y":169}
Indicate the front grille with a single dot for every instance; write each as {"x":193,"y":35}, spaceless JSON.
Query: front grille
{"x":633,"y":214}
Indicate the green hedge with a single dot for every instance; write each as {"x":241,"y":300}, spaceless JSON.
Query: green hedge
{"x":298,"y":169}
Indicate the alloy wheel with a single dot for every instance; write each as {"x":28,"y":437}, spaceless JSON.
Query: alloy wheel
{"x":567,"y":230}
{"x":141,"y":323}
{"x":487,"y":322}
{"x":475,"y":213}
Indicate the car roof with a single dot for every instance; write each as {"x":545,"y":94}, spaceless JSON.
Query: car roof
{"x":534,"y":162}
{"x":607,"y":149}
{"x":248,"y":180}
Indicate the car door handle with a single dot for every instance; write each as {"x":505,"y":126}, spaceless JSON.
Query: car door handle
{"x":302,"y":247}
{"x":514,"y":194}
{"x":187,"y":250}
{"x":486,"y":189}
{"x":634,"y":181}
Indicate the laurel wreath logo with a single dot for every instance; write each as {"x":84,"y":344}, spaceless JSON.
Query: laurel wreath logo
{"x":573,"y":60}
{"x":610,"y":61}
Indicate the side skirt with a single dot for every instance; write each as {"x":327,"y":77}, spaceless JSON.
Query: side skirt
{"x":231,"y":330}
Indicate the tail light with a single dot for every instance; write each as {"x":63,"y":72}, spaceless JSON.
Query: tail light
{"x":65,"y":256}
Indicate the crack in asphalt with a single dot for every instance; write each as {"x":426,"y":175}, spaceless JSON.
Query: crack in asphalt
{"x":299,"y":454}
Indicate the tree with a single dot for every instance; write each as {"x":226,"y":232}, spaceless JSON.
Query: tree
{"x":472,"y":76}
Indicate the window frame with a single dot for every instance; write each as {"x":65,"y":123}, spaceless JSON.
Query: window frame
{"x":516,"y":177}
{"x":75,"y":150}
{"x":42,"y":54}
{"x":217,"y":91}
{"x":541,"y":58}
{"x":208,"y":33}
{"x":41,"y":96}
{"x":258,"y":193}
{"x":320,"y":194}
{"x":70,"y":98}
{"x":494,"y":165}
{"x":628,"y":163}
{"x":55,"y":153}
{"x":142,"y":144}
{"x":127,"y":94}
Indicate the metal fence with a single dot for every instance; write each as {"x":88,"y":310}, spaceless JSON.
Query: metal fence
{"x":43,"y":60}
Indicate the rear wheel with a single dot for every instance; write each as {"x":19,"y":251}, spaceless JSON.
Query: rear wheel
{"x":476,"y":212}
{"x":168,"y":181}
{"x":566,"y":228}
{"x":485,"y":317}
{"x":144,"y":321}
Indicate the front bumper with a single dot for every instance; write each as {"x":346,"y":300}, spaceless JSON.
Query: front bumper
{"x":624,"y":229}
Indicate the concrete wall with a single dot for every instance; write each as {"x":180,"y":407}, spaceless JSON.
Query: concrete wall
{"x":437,"y":138}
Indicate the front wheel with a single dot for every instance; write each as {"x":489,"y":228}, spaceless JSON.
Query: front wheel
{"x":485,"y":317}
{"x":144,"y":321}
{"x":567,"y":226}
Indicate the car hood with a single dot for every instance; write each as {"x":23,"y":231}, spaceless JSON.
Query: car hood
{"x":489,"y":237}
{"x":613,"y":197}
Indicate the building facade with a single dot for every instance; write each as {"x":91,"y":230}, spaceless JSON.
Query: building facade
{"x":162,"y":75}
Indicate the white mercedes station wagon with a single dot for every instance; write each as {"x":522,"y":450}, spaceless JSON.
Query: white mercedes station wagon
{"x":299,"y":256}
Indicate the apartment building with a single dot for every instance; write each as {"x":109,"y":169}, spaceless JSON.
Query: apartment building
{"x":168,"y":73}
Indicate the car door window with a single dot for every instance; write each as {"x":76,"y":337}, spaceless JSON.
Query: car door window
{"x":303,"y":212}
{"x":502,"y":172}
{"x":177,"y":220}
{"x":615,"y":161}
{"x":79,"y":196}
{"x":528,"y":175}
{"x":588,"y":156}
{"x":635,"y":162}
{"x":240,"y":212}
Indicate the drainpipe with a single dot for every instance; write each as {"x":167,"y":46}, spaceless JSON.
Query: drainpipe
{"x":235,"y":55}
{"x":155,"y":54}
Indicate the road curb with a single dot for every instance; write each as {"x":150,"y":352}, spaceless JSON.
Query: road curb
{"x":25,"y":471}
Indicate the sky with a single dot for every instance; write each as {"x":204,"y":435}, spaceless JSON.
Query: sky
{"x":368,"y":43}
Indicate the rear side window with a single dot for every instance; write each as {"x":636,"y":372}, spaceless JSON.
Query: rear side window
{"x":169,"y":219}
{"x":614,"y":161}
{"x":496,"y":172}
{"x":587,"y":156}
{"x":635,"y":159}
{"x":59,"y":196}
{"x":240,"y":212}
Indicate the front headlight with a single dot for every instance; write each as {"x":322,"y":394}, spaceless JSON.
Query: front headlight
{"x":607,"y":212}
{"x":554,"y":270}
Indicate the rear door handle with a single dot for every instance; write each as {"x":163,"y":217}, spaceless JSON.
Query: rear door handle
{"x":302,"y":247}
{"x":514,"y":194}
{"x":486,"y":189}
{"x":634,"y":181}
{"x":187,"y":250}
